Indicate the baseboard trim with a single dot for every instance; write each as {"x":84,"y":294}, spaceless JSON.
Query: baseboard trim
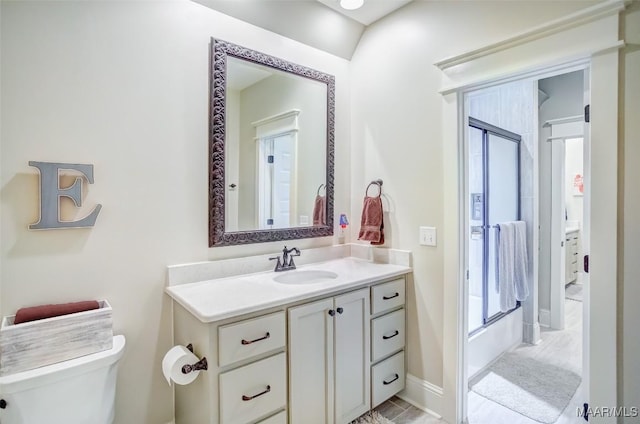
{"x":544,"y":316}
{"x":422,"y":395}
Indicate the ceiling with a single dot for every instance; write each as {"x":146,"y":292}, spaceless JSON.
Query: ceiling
{"x":322,"y":24}
{"x":371,"y":11}
{"x":242,"y":74}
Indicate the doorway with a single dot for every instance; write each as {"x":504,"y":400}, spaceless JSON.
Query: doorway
{"x":559,"y":47}
{"x":505,"y":360}
{"x":276,"y":181}
{"x":561,"y":193}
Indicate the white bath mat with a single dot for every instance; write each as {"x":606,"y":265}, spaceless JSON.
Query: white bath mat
{"x":372,"y":417}
{"x":532,"y":388}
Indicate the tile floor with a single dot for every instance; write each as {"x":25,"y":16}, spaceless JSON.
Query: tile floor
{"x":401,"y":412}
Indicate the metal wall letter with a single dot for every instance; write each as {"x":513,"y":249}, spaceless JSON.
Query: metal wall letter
{"x":50,"y":193}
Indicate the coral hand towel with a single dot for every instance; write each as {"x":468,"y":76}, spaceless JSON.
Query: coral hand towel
{"x":34,"y":313}
{"x":372,"y":224}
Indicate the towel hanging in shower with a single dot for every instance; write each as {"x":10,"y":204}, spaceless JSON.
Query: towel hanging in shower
{"x":512,"y":266}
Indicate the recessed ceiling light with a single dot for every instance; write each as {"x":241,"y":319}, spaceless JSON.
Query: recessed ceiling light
{"x":351,"y":4}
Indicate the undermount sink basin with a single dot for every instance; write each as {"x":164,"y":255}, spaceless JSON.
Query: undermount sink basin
{"x":305,"y":277}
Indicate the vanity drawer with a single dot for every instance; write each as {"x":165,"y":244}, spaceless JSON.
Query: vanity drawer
{"x":279,"y":418}
{"x":253,"y":390}
{"x":249,"y":338}
{"x":387,"y":296}
{"x":387,"y":379}
{"x":387,"y":334}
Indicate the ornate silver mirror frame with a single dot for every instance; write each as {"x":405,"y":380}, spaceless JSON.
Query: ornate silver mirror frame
{"x":220,"y":50}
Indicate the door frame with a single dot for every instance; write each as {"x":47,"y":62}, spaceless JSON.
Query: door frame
{"x":464,"y":212}
{"x":519,"y":58}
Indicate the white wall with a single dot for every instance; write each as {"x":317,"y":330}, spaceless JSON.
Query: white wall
{"x":123,"y":86}
{"x":566,"y":98}
{"x":397,"y":135}
{"x":628,"y":224}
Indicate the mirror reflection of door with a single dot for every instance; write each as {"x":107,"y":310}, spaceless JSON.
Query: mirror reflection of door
{"x":276,"y":180}
{"x":263,"y":103}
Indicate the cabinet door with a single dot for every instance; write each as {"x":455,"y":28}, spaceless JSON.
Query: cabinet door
{"x":311,"y":363}
{"x":352,"y":378}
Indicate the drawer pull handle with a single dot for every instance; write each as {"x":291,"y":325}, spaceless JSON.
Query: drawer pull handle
{"x":248,"y":342}
{"x":395,"y":333}
{"x":390,"y":297}
{"x":390,"y":381}
{"x":331,"y":312}
{"x":339,"y":310}
{"x":246,"y":398}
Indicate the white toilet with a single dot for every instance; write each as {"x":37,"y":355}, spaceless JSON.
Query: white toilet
{"x":77,"y":391}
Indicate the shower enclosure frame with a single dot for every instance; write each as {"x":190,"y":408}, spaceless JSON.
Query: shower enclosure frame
{"x":487,"y":129}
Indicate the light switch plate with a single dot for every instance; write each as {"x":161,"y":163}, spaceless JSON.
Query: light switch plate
{"x":428,"y":236}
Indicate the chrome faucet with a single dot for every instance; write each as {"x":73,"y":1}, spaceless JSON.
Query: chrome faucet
{"x":287,"y":259}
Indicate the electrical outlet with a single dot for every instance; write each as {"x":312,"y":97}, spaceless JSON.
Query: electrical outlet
{"x":428,"y":236}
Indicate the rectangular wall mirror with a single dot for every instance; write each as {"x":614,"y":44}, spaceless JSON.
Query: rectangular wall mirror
{"x":271,"y":148}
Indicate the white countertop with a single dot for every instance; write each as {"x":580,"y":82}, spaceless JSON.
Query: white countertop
{"x":218,"y":299}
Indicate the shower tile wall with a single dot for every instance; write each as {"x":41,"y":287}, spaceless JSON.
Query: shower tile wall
{"x":511,"y":107}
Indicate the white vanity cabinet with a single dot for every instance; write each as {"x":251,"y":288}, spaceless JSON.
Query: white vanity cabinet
{"x":326,"y":356}
{"x":329,"y":359}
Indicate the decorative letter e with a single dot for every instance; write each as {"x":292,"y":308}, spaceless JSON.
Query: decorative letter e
{"x":50,"y":193}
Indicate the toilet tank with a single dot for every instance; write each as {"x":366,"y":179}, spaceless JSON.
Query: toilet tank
{"x":77,"y":391}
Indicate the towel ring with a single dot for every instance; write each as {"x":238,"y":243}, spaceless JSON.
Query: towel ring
{"x":320,"y":187}
{"x":376,"y":182}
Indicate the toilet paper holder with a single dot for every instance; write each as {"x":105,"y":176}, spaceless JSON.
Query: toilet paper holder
{"x":201,"y":365}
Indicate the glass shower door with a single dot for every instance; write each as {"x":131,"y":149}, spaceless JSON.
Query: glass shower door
{"x":494,"y":186}
{"x":504,"y":203}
